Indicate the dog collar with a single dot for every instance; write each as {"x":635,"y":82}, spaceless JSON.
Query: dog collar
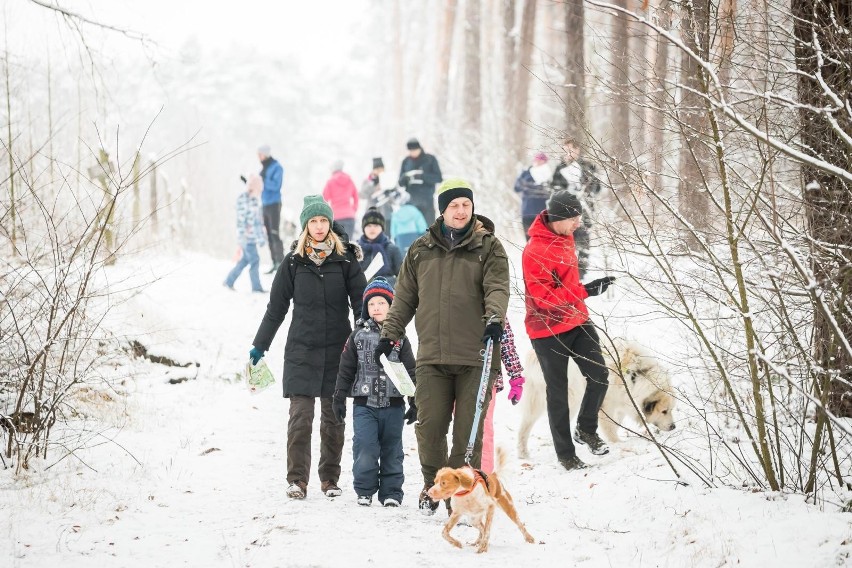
{"x":478,"y":477}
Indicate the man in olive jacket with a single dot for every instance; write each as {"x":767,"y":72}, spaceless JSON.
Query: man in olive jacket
{"x":455,"y":278}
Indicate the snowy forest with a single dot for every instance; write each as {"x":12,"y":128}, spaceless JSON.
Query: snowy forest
{"x":722,"y":136}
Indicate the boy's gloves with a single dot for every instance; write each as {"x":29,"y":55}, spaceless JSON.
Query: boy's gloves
{"x":411,"y":415}
{"x":516,"y":390}
{"x":338,"y":405}
{"x":255,"y":355}
{"x":599,"y":286}
{"x":384,"y":347}
{"x":494,"y":331}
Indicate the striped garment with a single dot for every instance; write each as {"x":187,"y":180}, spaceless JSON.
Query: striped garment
{"x":249,"y":222}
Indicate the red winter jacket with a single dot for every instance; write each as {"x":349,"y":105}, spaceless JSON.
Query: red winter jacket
{"x":554,"y":295}
{"x":341,"y":194}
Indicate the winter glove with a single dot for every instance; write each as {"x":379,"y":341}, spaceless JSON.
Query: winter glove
{"x":255,"y":355}
{"x":411,"y":416}
{"x":493,"y":331}
{"x":599,"y":286}
{"x":338,"y":405}
{"x":384,"y":347}
{"x":516,"y":390}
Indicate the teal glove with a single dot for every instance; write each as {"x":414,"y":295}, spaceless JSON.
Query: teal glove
{"x":255,"y":355}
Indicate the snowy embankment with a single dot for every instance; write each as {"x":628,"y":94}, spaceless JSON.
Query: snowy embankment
{"x":193,"y":473}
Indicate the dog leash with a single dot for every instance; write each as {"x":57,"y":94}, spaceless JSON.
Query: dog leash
{"x":480,"y":398}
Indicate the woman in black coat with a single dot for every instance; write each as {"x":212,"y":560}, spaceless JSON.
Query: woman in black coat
{"x":323,"y":279}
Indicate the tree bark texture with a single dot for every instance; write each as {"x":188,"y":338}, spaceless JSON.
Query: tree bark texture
{"x":824,"y":58}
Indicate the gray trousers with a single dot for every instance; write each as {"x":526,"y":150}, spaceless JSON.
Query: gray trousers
{"x":299,"y":429}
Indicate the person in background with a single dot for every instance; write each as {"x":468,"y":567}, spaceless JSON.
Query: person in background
{"x":419,"y":174}
{"x":378,"y":408}
{"x":407,"y":223}
{"x":534,"y":192}
{"x":322,"y":279}
{"x":371,"y":191}
{"x":558,"y":325}
{"x":273,"y":176}
{"x":341,"y":194}
{"x":577,"y":175}
{"x":375,"y":241}
{"x":455,"y":279}
{"x":250,"y":234}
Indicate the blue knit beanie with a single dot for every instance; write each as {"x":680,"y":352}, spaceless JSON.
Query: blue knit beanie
{"x":377,"y":287}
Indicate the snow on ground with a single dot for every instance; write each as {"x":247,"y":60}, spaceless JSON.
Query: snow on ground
{"x":193,"y":474}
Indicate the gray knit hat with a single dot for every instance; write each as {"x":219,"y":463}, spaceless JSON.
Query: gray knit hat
{"x":315,"y":206}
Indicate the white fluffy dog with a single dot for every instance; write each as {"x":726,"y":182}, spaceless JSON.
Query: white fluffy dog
{"x":649,"y":384}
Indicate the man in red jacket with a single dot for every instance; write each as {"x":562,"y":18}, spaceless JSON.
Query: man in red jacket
{"x":558,"y":324}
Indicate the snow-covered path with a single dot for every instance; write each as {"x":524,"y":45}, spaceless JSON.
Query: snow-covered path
{"x":193,"y":474}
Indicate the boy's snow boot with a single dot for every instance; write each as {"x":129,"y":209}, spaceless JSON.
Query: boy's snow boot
{"x":426,"y":504}
{"x":391,"y":502}
{"x":330,"y":489}
{"x":365,"y":500}
{"x":593,"y":441}
{"x":297,"y":490}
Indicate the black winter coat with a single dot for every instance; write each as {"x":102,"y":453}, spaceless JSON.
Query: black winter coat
{"x":323,"y":298}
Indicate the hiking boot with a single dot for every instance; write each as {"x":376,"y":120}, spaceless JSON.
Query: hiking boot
{"x":573,"y":463}
{"x":297,"y":490}
{"x":274,"y":268}
{"x":365,"y":500}
{"x":593,"y":441}
{"x":426,"y":505}
{"x":391,"y":502}
{"x":330,"y":489}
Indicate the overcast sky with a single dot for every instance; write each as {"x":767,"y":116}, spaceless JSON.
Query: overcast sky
{"x":315,"y":29}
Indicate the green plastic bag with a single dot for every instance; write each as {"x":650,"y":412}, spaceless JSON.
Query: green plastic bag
{"x":258,"y":377}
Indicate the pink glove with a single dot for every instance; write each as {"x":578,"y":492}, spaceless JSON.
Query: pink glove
{"x":516,"y":390}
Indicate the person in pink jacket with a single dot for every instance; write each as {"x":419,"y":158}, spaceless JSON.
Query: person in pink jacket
{"x":509,"y":357}
{"x":341,"y":194}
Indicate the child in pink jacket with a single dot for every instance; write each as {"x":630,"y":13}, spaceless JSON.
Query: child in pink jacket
{"x":341,"y":194}
{"x":509,"y":356}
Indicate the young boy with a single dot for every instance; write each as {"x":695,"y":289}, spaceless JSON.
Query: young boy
{"x":378,"y":408}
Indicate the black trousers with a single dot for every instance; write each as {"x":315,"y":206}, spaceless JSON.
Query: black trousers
{"x":583,"y":345}
{"x":424,"y":200}
{"x":272,"y":223}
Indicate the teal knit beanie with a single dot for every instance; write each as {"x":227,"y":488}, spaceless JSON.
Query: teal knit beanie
{"x":315,"y":206}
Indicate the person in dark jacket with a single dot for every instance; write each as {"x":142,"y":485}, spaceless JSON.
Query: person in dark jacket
{"x":273,"y":176}
{"x":419,"y":175}
{"x":322,"y":278}
{"x":577,"y":175}
{"x":375,"y":241}
{"x":534,"y":192}
{"x":558,"y":325}
{"x":455,"y":279}
{"x":378,"y":406}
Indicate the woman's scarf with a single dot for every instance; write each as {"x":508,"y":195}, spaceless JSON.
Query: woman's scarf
{"x":319,"y":251}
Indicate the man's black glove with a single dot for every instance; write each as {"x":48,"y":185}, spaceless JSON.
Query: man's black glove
{"x":599,"y":286}
{"x":384,"y":347}
{"x":493,"y":331}
{"x":411,"y":415}
{"x":338,"y":405}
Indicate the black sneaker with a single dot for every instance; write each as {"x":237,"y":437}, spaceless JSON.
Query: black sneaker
{"x":573,"y":463}
{"x":426,"y":505}
{"x":593,"y":441}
